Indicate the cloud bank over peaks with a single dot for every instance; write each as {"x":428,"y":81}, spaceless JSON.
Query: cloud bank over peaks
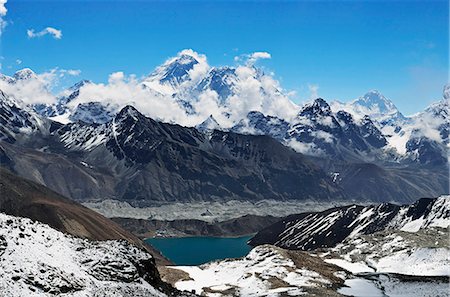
{"x":31,"y":88}
{"x":186,"y":90}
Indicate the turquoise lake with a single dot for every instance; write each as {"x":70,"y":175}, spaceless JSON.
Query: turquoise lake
{"x":199,"y":250}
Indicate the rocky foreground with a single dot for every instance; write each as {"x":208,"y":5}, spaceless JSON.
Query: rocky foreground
{"x":36,"y":260}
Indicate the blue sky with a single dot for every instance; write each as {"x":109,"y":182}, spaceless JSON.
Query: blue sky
{"x":343,"y":47}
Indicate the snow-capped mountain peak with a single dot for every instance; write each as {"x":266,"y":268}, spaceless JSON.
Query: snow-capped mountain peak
{"x":175,"y":71}
{"x":16,"y":120}
{"x":7,"y":79}
{"x":25,"y":74}
{"x":187,"y":67}
{"x":374,"y":104}
{"x":318,"y":107}
{"x":375,"y":101}
{"x":208,"y":125}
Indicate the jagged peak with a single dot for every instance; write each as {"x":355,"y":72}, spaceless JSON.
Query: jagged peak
{"x":254,"y":113}
{"x":375,"y":97}
{"x":129,"y":111}
{"x":222,"y":69}
{"x":184,"y":57}
{"x":366,"y":119}
{"x":209,"y":124}
{"x":318,"y":107}
{"x":345,"y":116}
{"x":25,"y":73}
{"x":6,"y":78}
{"x":80,"y":84}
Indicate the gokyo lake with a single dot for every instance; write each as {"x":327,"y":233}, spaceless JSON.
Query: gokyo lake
{"x":199,"y":250}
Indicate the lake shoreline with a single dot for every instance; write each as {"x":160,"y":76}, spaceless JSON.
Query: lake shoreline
{"x":197,"y":250}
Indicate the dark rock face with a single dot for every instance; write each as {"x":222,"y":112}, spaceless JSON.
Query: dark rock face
{"x":371,"y":133}
{"x":14,"y":120}
{"x":308,"y":231}
{"x":166,"y":162}
{"x":426,"y":151}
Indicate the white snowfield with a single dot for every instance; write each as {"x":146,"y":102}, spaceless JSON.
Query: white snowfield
{"x":392,"y":254}
{"x":36,"y":260}
{"x":265,"y":271}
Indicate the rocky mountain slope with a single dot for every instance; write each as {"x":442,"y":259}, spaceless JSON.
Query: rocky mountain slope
{"x":136,"y":159}
{"x":139,"y":160}
{"x":36,"y":260}
{"x":309,"y":231}
{"x":21,"y":197}
{"x":103,"y":151}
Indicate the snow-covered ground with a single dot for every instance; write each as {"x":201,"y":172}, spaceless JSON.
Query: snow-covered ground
{"x":391,"y":262}
{"x":423,"y":253}
{"x":265,"y":271}
{"x":36,"y":260}
{"x":209,"y":211}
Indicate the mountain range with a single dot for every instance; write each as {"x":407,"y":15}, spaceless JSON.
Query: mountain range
{"x":246,"y":100}
{"x":90,"y":148}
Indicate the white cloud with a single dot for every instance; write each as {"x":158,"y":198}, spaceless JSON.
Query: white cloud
{"x":122,"y":90}
{"x":313,"y":91}
{"x":305,"y":148}
{"x":260,"y":55}
{"x":250,"y":59}
{"x":252,"y":91}
{"x":55,"y":33}
{"x":3,"y":12}
{"x":18,"y":61}
{"x":74,"y":72}
{"x":34,"y":90}
{"x":39,"y":87}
